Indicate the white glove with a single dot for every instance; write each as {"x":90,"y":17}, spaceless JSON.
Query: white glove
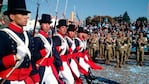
{"x":47,"y":46}
{"x":21,"y":53}
{"x":60,"y":74}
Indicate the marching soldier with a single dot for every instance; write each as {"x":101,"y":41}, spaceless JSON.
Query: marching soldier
{"x":46,"y":53}
{"x":62,"y":48}
{"x":17,"y":47}
{"x":71,"y":34}
{"x":141,"y":42}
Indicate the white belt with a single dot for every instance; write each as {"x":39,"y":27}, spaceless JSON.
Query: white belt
{"x":122,"y":46}
{"x":125,"y":44}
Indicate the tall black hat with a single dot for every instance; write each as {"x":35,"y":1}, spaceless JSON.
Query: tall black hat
{"x":62,"y":22}
{"x":46,"y":18}
{"x":16,"y":6}
{"x":80,"y":30}
{"x":71,"y":27}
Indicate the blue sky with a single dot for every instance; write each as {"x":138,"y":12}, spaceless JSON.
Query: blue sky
{"x":134,"y":8}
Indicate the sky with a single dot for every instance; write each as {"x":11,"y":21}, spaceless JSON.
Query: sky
{"x":85,"y":8}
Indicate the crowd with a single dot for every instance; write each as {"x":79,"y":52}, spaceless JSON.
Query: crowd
{"x":42,"y":59}
{"x":116,"y":41}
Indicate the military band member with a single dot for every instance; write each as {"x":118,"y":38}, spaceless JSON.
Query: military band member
{"x":62,"y":48}
{"x":17,"y":64}
{"x":46,"y":53}
{"x":141,"y":42}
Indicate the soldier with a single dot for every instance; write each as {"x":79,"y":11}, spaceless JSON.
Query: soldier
{"x":17,"y":64}
{"x":85,"y":62}
{"x":62,"y":48}
{"x":128,"y":42}
{"x":119,"y":50}
{"x":46,"y":53}
{"x":141,"y":42}
{"x":71,"y":33}
{"x":95,"y":45}
{"x":101,"y":47}
{"x":108,"y":50}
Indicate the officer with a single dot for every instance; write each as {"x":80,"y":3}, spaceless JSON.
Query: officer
{"x":46,"y":53}
{"x":62,"y":48}
{"x":141,"y":42}
{"x":16,"y":45}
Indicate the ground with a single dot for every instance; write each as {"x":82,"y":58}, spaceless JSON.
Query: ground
{"x":130,"y":73}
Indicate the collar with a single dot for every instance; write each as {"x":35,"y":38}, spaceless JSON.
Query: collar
{"x":63,"y":35}
{"x":81,"y":38}
{"x":43,"y":33}
{"x":15,"y":28}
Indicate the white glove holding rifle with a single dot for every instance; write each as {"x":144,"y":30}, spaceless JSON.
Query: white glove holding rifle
{"x":21,"y":53}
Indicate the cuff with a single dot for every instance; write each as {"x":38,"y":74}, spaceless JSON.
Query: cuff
{"x":43,"y":52}
{"x":9,"y":60}
{"x":61,"y":68}
{"x":58,"y":48}
{"x":35,"y":78}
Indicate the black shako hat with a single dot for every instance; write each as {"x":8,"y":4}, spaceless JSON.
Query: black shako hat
{"x":62,"y":22}
{"x":16,"y":7}
{"x":71,"y":27}
{"x":46,"y":18}
{"x":82,"y":30}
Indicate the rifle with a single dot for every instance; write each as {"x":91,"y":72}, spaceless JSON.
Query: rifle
{"x":34,"y":30}
{"x":56,"y":11}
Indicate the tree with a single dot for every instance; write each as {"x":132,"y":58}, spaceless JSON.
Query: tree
{"x":126,"y":17}
{"x":142,"y":19}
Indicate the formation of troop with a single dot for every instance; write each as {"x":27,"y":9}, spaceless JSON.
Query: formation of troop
{"x":114,"y":43}
{"x":43,"y":59}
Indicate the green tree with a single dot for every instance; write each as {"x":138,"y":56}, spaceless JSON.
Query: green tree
{"x":126,"y":17}
{"x":142,"y":19}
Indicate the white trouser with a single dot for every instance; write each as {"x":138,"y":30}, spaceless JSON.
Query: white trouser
{"x":49,"y":77}
{"x":83,"y":64}
{"x":74,"y":68}
{"x":67,"y":75}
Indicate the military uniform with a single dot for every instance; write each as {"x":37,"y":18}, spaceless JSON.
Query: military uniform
{"x":101,"y":47}
{"x":141,"y":41}
{"x":63,"y":48}
{"x":108,"y":50}
{"x":7,"y":62}
{"x":17,"y":64}
{"x":46,"y":54}
{"x":119,"y":50}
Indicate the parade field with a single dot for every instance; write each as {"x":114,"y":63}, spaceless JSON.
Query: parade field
{"x":130,"y":73}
